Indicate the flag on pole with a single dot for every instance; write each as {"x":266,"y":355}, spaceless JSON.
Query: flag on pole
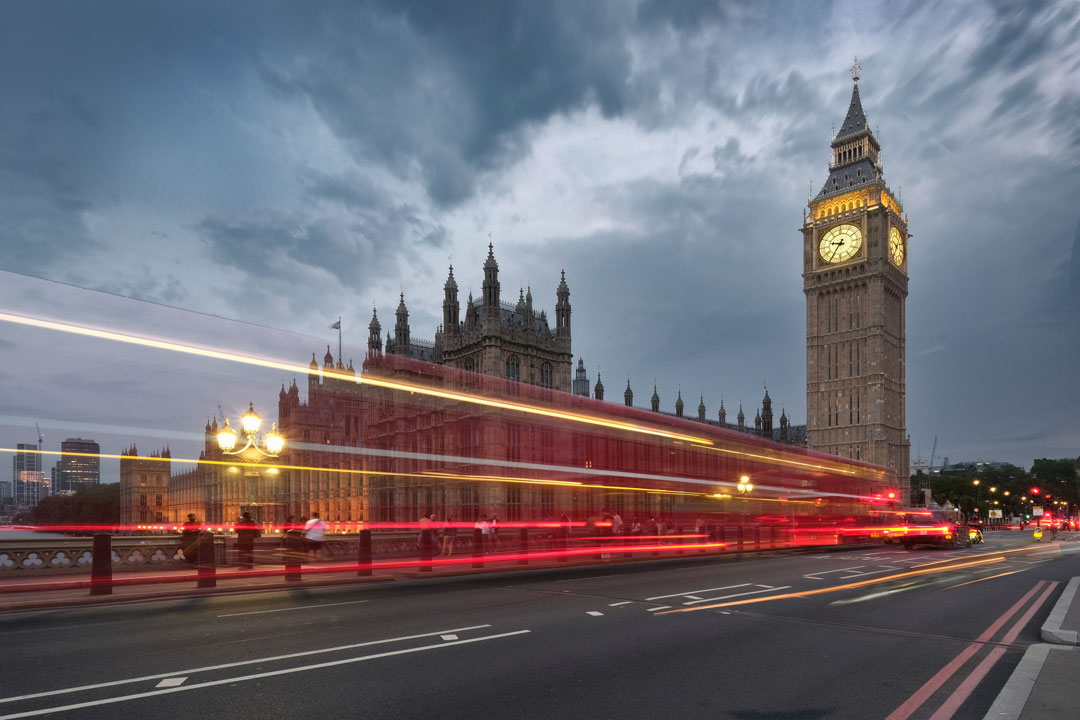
{"x":336,"y":326}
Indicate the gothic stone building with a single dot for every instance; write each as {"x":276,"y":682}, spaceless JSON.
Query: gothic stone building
{"x":855,"y":262}
{"x":144,"y":486}
{"x":495,"y":338}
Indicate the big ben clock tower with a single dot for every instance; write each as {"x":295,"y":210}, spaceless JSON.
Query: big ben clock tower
{"x":855,"y":262}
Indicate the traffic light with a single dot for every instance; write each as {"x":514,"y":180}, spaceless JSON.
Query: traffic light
{"x":1034,"y":491}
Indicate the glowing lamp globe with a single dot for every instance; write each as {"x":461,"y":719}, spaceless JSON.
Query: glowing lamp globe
{"x":226,"y":437}
{"x":275,"y":443}
{"x":250,"y":420}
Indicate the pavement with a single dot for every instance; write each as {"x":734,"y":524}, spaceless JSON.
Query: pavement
{"x":1043,"y":686}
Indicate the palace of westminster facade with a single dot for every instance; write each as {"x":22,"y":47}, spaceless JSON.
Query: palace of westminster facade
{"x":855,"y":281}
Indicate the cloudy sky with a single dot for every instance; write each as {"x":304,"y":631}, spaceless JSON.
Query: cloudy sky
{"x":240,"y":174}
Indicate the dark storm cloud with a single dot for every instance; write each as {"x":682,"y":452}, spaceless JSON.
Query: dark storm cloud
{"x":449,"y":88}
{"x":684,"y":16}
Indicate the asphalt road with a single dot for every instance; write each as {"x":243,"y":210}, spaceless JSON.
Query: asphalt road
{"x":859,"y":634}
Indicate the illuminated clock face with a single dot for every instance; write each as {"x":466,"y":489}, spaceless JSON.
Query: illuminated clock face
{"x":840,"y":243}
{"x":896,"y":246}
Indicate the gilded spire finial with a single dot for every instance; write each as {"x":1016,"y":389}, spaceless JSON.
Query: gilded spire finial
{"x":855,"y":71}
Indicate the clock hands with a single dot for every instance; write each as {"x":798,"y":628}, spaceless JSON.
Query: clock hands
{"x":836,"y":246}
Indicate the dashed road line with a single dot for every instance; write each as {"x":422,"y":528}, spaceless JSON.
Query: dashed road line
{"x":660,"y":607}
{"x":171,"y":682}
{"x":256,"y":676}
{"x":594,"y":613}
{"x":814,"y":576}
{"x":224,"y":666}
{"x":869,"y":572}
{"x":696,"y":592}
{"x":624,"y":602}
{"x":726,"y":597}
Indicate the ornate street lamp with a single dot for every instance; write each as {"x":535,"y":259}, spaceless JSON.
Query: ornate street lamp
{"x":272,"y":445}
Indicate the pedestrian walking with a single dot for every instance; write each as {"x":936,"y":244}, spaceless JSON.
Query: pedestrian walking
{"x":315,"y":534}
{"x":485,"y":530}
{"x":448,"y":537}
{"x":246,"y":532}
{"x":425,"y":524}
{"x":189,"y":540}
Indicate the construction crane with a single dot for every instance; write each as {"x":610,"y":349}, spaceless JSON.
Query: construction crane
{"x":40,"y":437}
{"x":930,"y":470}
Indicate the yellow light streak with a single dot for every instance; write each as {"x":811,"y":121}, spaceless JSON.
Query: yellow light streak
{"x":346,"y":377}
{"x":786,"y":461}
{"x":522,"y":407}
{"x":837,"y":588}
{"x":428,"y":475}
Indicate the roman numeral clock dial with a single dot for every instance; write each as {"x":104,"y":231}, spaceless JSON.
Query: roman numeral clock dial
{"x":840,"y":243}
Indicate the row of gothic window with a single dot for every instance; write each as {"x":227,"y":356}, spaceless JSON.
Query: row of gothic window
{"x":854,"y":410}
{"x":850,"y":154}
{"x":832,"y":361}
{"x":833,"y":314}
{"x":513,"y":372}
{"x":840,"y":208}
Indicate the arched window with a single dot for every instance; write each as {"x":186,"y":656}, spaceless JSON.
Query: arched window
{"x":546,"y":376}
{"x":513,"y":368}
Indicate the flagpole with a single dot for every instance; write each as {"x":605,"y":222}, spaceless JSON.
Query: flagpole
{"x":339,"y":338}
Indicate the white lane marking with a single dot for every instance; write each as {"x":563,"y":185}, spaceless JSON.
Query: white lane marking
{"x":171,"y":682}
{"x":868,"y":572}
{"x":814,"y":576}
{"x":594,"y":613}
{"x":273,"y":658}
{"x":256,"y":676}
{"x":624,"y":602}
{"x":691,"y":597}
{"x":449,"y":637}
{"x":305,"y":607}
{"x":654,"y":609}
{"x":726,"y":597}
{"x":695,"y":592}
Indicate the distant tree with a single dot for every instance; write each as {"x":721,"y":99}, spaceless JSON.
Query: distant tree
{"x":959,"y":488}
{"x":1060,"y":478}
{"x":95,"y":505}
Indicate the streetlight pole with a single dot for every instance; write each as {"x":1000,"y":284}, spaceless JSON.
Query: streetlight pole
{"x":251,"y":454}
{"x":745,"y":488}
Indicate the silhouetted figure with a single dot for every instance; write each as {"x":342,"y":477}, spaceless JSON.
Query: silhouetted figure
{"x":189,"y":540}
{"x":246,"y":532}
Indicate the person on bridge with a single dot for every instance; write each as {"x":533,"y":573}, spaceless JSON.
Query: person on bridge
{"x":315,"y":534}
{"x":246,"y":532}
{"x":189,"y":539}
{"x":448,"y":537}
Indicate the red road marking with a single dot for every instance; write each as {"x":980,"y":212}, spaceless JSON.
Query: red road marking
{"x":923,"y":694}
{"x":962,"y":693}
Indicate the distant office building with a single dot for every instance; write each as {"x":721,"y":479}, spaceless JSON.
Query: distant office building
{"x":29,"y":483}
{"x":80,"y":470}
